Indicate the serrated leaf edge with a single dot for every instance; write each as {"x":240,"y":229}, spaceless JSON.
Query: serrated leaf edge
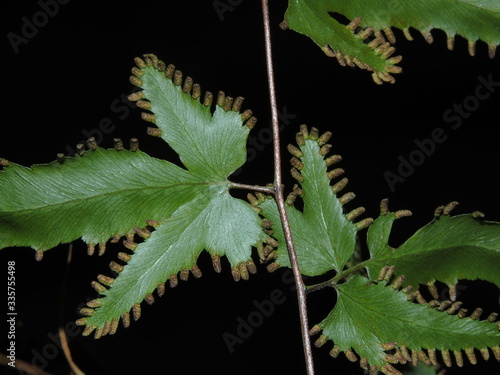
{"x":189,"y":88}
{"x":241,"y":271}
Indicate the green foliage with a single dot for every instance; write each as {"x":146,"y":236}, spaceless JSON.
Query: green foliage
{"x":325,"y":238}
{"x":375,"y":323}
{"x":178,"y":212}
{"x":457,"y":242}
{"x":383,"y":327}
{"x":105,"y":194}
{"x":211,"y":146}
{"x":362,"y":42}
{"x":94,"y":196}
{"x":169,"y":214}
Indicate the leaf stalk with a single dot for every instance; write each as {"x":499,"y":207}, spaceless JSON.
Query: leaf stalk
{"x":334,"y":280}
{"x":262,"y":189}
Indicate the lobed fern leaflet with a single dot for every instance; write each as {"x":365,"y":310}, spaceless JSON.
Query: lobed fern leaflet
{"x":367,"y":40}
{"x":380,"y":324}
{"x":377,"y":325}
{"x":325,"y":237}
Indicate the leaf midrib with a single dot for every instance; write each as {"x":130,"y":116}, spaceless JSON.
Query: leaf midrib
{"x":116,"y":192}
{"x":359,"y":303}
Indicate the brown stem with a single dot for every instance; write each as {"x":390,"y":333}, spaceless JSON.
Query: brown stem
{"x":280,"y":199}
{"x":62,"y":333}
{"x":22,"y":366}
{"x":262,"y":189}
{"x":333,"y":281}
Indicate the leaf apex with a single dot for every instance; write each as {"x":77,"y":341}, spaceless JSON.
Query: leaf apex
{"x":478,"y":215}
{"x":136,"y":81}
{"x":88,"y":330}
{"x":272,"y":267}
{"x":496,"y":352}
{"x":388,"y":369}
{"x":250,"y":123}
{"x":315,"y":330}
{"x":296,"y":174}
{"x":4,"y":163}
{"x":492,"y":48}
{"x":340,"y":185}
{"x":402,"y":213}
{"x":149,"y":117}
{"x":134,"y":144}
{"x":352,"y":215}
{"x":196,"y":271}
{"x":39,"y":255}
{"x":334,"y":173}
{"x":384,"y":206}
{"x":216,"y":263}
{"x":365,"y":223}
{"x":295,"y":151}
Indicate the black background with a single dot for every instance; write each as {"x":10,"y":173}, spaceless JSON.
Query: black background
{"x":73,"y":74}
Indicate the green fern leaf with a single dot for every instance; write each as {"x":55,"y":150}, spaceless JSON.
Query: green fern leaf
{"x":95,"y":196}
{"x":468,"y":247}
{"x":361,"y":43}
{"x":188,"y":126}
{"x":212,"y":222}
{"x":105,"y":194}
{"x":324,"y":237}
{"x":378,"y":325}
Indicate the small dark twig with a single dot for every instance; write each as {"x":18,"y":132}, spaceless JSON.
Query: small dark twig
{"x":62,"y":333}
{"x":22,"y":366}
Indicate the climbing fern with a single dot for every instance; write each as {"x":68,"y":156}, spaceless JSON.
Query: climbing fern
{"x":166,"y":214}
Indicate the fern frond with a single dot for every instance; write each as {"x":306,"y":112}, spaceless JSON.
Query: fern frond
{"x":167,"y":214}
{"x":375,"y":324}
{"x":325,"y":236}
{"x":442,"y":250}
{"x":367,"y":40}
